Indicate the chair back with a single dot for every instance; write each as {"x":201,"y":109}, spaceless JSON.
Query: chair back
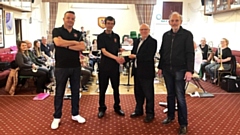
{"x":233,"y":65}
{"x":133,"y":34}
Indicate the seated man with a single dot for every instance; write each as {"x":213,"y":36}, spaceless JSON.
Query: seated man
{"x":206,"y":57}
{"x":45,"y":48}
{"x":85,"y":76}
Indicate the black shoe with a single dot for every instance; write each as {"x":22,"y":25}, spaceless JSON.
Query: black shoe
{"x":134,"y":115}
{"x":182,"y":130}
{"x":101,"y":114}
{"x":148,"y":119}
{"x":167,"y":120}
{"x":120,"y":112}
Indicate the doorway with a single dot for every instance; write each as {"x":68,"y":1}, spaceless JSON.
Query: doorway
{"x":18,"y":26}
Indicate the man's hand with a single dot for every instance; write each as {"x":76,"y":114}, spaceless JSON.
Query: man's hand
{"x":121,"y":50}
{"x":159,"y":72}
{"x":132,"y":56}
{"x":188,"y":76}
{"x":120,"y":60}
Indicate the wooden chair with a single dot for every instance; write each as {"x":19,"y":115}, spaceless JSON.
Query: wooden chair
{"x":21,"y":77}
{"x":231,"y":71}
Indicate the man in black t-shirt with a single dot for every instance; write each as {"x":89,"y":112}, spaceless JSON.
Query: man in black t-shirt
{"x":67,"y":67}
{"x":46,"y":47}
{"x":207,"y":55}
{"x":109,"y":44}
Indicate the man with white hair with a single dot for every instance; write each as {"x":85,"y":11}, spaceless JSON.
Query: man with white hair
{"x":177,"y":66}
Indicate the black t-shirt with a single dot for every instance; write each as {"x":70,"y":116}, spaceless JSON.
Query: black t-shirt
{"x":226,"y":52}
{"x":46,"y":49}
{"x":205,"y":51}
{"x":66,"y":58}
{"x":111,"y":42}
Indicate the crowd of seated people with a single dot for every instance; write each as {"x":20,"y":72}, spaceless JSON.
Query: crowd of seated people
{"x":28,"y":68}
{"x":42,"y":64}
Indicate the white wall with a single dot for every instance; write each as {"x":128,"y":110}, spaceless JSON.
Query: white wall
{"x":30,"y":31}
{"x":214,"y":27}
{"x":224,"y":25}
{"x":159,"y":27}
{"x":126,"y":20}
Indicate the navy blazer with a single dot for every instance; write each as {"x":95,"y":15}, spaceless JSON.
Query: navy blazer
{"x":145,"y":57}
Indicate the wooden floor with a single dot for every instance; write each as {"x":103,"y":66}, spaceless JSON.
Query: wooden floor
{"x":159,"y":86}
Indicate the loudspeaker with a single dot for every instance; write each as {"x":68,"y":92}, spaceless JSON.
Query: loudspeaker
{"x":202,"y":1}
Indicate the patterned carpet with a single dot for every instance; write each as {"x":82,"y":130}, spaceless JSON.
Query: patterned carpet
{"x":20,"y":115}
{"x":31,"y":89}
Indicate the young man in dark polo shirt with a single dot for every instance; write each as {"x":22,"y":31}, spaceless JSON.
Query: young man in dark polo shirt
{"x":109,"y":44}
{"x":67,"y":66}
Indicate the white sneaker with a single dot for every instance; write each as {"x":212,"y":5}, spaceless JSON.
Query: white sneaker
{"x":55,"y":123}
{"x":79,"y":119}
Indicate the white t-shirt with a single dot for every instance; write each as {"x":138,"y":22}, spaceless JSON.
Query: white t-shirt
{"x":198,"y":59}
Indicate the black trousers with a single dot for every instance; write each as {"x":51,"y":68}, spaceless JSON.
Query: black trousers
{"x":41,"y":78}
{"x":104,"y":77}
{"x":62,"y":75}
{"x":144,"y":89}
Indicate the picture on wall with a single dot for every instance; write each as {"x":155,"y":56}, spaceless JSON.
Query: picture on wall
{"x":1,"y":29}
{"x":9,"y":23}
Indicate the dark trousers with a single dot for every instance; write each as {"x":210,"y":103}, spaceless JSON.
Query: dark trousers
{"x":86,"y":74}
{"x":104,"y":77}
{"x":41,"y":78}
{"x":175,"y":84}
{"x":202,"y":69}
{"x":62,"y":75}
{"x":144,"y":89}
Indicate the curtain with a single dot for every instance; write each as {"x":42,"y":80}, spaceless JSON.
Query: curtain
{"x":144,"y":13}
{"x":53,"y":8}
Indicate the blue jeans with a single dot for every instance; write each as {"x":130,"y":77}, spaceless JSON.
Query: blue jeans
{"x":175,"y":84}
{"x":62,"y":75}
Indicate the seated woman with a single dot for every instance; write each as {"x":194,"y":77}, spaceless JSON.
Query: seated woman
{"x":226,"y":54}
{"x":28,"y":68}
{"x":37,"y":51}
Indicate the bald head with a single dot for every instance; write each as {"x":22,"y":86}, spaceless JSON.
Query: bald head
{"x":144,"y":30}
{"x":203,"y":41}
{"x":29,"y":44}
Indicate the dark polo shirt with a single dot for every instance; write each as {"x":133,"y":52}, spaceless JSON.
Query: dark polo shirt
{"x":66,"y":58}
{"x":46,"y":49}
{"x":111,"y":42}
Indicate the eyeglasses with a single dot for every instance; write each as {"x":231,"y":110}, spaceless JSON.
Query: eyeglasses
{"x":143,"y":29}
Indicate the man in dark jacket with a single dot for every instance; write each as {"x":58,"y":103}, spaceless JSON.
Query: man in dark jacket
{"x":177,"y":65}
{"x":143,"y":53}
